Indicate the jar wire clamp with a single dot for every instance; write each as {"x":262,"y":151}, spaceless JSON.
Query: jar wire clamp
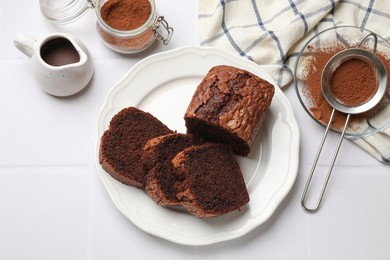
{"x":166,"y":37}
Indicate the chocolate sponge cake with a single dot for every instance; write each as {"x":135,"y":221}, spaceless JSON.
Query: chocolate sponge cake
{"x":161,"y":178}
{"x":122,"y":144}
{"x":229,"y":106}
{"x":212,"y":183}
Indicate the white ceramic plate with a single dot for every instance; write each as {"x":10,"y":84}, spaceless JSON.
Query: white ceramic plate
{"x":163,"y":84}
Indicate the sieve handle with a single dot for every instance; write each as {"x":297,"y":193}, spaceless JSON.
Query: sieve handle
{"x":375,"y":41}
{"x":304,"y":195}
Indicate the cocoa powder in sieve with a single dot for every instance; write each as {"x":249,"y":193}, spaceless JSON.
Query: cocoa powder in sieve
{"x":345,"y":81}
{"x":353,"y":83}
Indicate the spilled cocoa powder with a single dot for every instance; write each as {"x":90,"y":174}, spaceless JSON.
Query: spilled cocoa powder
{"x":354,"y":83}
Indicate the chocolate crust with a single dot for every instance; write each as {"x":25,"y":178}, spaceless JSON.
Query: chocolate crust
{"x":229,"y":106}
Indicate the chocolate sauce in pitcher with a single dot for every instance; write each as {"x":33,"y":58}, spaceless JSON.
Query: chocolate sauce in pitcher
{"x":59,"y":52}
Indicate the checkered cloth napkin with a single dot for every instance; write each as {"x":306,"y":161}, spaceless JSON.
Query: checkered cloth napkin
{"x":272,"y":33}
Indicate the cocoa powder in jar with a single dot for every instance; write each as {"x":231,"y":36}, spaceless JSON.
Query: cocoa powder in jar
{"x":126,"y":15}
{"x":349,"y":93}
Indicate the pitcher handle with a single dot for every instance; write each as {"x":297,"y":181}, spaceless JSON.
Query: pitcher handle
{"x":24,"y":43}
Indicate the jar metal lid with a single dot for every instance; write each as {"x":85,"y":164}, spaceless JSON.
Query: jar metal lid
{"x":60,"y":11}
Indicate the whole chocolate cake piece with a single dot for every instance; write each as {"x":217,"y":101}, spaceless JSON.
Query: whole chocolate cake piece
{"x":161,"y":178}
{"x":122,"y":144}
{"x":229,"y":106}
{"x":213,"y":183}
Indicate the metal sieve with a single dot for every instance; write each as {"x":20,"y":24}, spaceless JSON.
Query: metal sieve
{"x":381,"y":75}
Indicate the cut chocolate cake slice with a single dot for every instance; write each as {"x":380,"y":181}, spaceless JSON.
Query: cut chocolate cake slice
{"x":157,"y":156}
{"x":212,"y":183}
{"x":122,"y":144}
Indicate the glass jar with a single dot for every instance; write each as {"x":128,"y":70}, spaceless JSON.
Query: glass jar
{"x":131,"y":41}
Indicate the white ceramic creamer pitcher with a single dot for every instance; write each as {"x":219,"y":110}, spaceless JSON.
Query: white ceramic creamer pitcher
{"x":60,"y":63}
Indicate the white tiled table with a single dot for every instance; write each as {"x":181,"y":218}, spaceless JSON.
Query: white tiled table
{"x":54,"y":206}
